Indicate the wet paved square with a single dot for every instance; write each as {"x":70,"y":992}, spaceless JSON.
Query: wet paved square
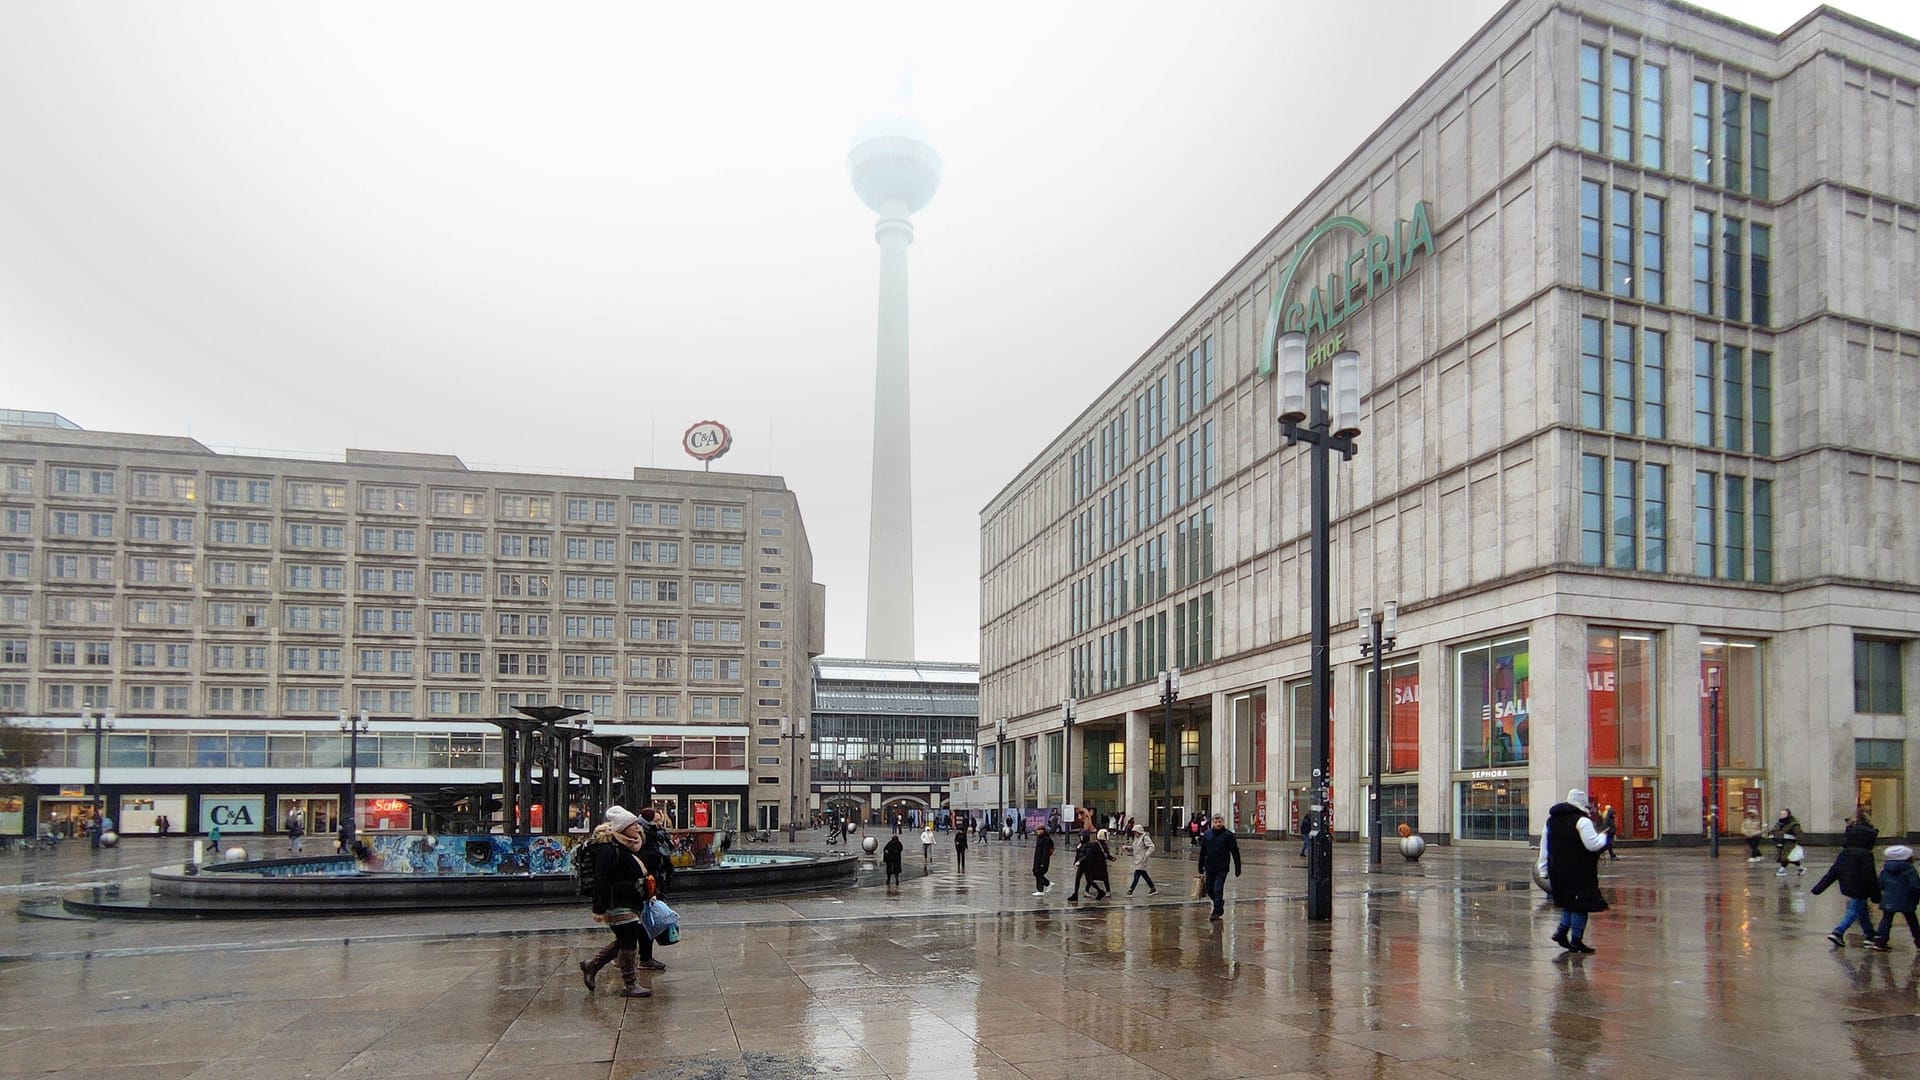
{"x":1703,"y":969}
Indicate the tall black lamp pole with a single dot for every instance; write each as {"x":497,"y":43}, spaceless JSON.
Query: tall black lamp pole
{"x":352,"y":727}
{"x":1713,"y":723}
{"x":1000,"y":766}
{"x":1066,"y":763}
{"x":1327,"y":429}
{"x":1381,"y":633}
{"x":1169,"y":693}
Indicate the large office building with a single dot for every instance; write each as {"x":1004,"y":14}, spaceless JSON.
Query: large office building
{"x":889,"y":736}
{"x":223,"y":611}
{"x":1632,"y":288}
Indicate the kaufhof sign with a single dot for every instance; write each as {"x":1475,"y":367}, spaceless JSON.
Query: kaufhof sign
{"x":707,"y":440}
{"x":1372,"y":265}
{"x":234,"y":814}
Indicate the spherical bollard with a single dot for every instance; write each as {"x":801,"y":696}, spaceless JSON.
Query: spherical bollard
{"x":849,"y":828}
{"x":870,"y":845}
{"x":1412,"y":847}
{"x":109,"y":839}
{"x":235,"y":854}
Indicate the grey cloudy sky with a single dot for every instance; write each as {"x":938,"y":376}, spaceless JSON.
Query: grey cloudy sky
{"x":556,"y":235}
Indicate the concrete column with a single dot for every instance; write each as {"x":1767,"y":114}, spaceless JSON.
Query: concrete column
{"x":1136,"y":796}
{"x":1276,"y":761}
{"x":890,"y":527}
{"x":1437,"y":736}
{"x":1075,"y":788}
{"x":1682,"y":703}
{"x":1221,"y":753}
{"x":1557,"y":721}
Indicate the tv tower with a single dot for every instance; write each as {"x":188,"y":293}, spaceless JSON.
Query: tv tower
{"x":895,"y":171}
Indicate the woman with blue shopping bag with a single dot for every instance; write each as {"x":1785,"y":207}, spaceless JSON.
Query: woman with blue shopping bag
{"x":622,"y":890}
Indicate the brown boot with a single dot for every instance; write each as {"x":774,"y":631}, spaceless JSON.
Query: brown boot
{"x":592,"y":965}
{"x":628,"y":977}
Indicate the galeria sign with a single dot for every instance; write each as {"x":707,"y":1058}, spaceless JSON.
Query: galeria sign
{"x":1375,"y":265}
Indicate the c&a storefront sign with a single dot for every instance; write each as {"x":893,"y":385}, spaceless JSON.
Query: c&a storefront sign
{"x":233,"y":813}
{"x":1372,"y":266}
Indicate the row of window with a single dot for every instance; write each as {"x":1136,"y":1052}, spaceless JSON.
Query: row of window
{"x":1623,"y":105}
{"x":320,"y":495}
{"x":322,"y":701}
{"x":1623,"y":387}
{"x":1623,"y":253}
{"x":311,"y":750}
{"x":1623,"y":520}
{"x":100,"y":611}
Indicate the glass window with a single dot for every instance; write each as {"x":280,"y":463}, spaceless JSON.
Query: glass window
{"x":1653,"y":92}
{"x":1703,"y":262}
{"x":1590,"y":98}
{"x":1494,"y":702}
{"x":1620,"y":241}
{"x":1492,"y":809}
{"x":1702,"y":131}
{"x":1737,"y":667}
{"x":1732,"y":136}
{"x":1592,"y":373}
{"x":1876,"y":676}
{"x":1705,"y":517}
{"x":1620,"y":106}
{"x":1762,"y":165}
{"x":1590,"y":234}
{"x":1620,"y":700}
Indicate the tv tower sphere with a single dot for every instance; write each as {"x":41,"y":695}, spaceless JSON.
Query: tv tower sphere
{"x":893,"y":163}
{"x":895,"y":171}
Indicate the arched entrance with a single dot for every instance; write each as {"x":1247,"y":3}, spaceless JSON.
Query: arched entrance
{"x":911,"y":811}
{"x":848,"y":808}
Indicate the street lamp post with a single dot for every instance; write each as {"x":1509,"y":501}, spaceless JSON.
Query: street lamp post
{"x":99,"y":723}
{"x":352,"y":727}
{"x":1325,"y":431}
{"x":793,"y":731}
{"x":1713,"y":724}
{"x":1169,"y":693}
{"x":1381,"y":631}
{"x":1000,"y":766}
{"x":1066,"y":763}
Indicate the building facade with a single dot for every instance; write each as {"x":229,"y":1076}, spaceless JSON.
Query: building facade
{"x":1639,"y":460}
{"x":225,"y":611}
{"x":889,"y":736}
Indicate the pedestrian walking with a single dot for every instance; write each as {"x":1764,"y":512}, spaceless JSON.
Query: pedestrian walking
{"x":926,"y":844}
{"x":1042,"y":859}
{"x":1786,"y":843}
{"x":166,"y":825}
{"x":296,"y":831}
{"x":213,"y":839}
{"x":890,"y":855}
{"x":1090,"y":867}
{"x":1139,"y":848}
{"x":1308,"y":825}
{"x":1899,"y":895}
{"x":960,"y":850}
{"x":1570,"y":848}
{"x":343,"y":839}
{"x":1853,"y":871}
{"x":1752,"y":829}
{"x":1219,"y":849}
{"x":621,"y":887}
{"x":1611,"y":828}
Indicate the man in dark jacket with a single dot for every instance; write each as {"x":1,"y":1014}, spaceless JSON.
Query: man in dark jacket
{"x":1570,"y":849}
{"x":1219,"y":848}
{"x":1854,"y":872}
{"x":1042,"y":859}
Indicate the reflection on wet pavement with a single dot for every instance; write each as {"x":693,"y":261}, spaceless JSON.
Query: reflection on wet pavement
{"x":1704,"y":969}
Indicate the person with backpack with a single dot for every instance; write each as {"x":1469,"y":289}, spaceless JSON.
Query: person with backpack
{"x":620,"y":887}
{"x":1899,"y":895}
{"x":1853,"y":871}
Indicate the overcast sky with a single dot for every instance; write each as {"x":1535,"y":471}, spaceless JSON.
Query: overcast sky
{"x":555,"y":235}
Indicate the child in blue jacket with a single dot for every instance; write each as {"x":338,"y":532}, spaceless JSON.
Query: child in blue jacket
{"x":1899,"y":895}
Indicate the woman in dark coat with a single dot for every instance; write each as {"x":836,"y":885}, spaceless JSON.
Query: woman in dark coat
{"x":960,"y":845}
{"x":891,"y":856}
{"x":620,"y":884}
{"x":1042,"y":859}
{"x":1570,"y":849}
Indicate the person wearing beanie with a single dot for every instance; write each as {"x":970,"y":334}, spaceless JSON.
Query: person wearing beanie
{"x":1852,"y":870}
{"x":1570,"y":849}
{"x":1899,"y":895}
{"x":621,"y":887}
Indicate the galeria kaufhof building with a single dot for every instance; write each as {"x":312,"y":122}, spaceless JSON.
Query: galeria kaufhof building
{"x":223,"y":609}
{"x":1632,"y":285}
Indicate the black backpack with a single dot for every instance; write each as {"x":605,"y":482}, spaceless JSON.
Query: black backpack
{"x":585,"y":857}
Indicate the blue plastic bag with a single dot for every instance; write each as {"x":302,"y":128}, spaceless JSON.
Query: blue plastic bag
{"x":660,"y":922}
